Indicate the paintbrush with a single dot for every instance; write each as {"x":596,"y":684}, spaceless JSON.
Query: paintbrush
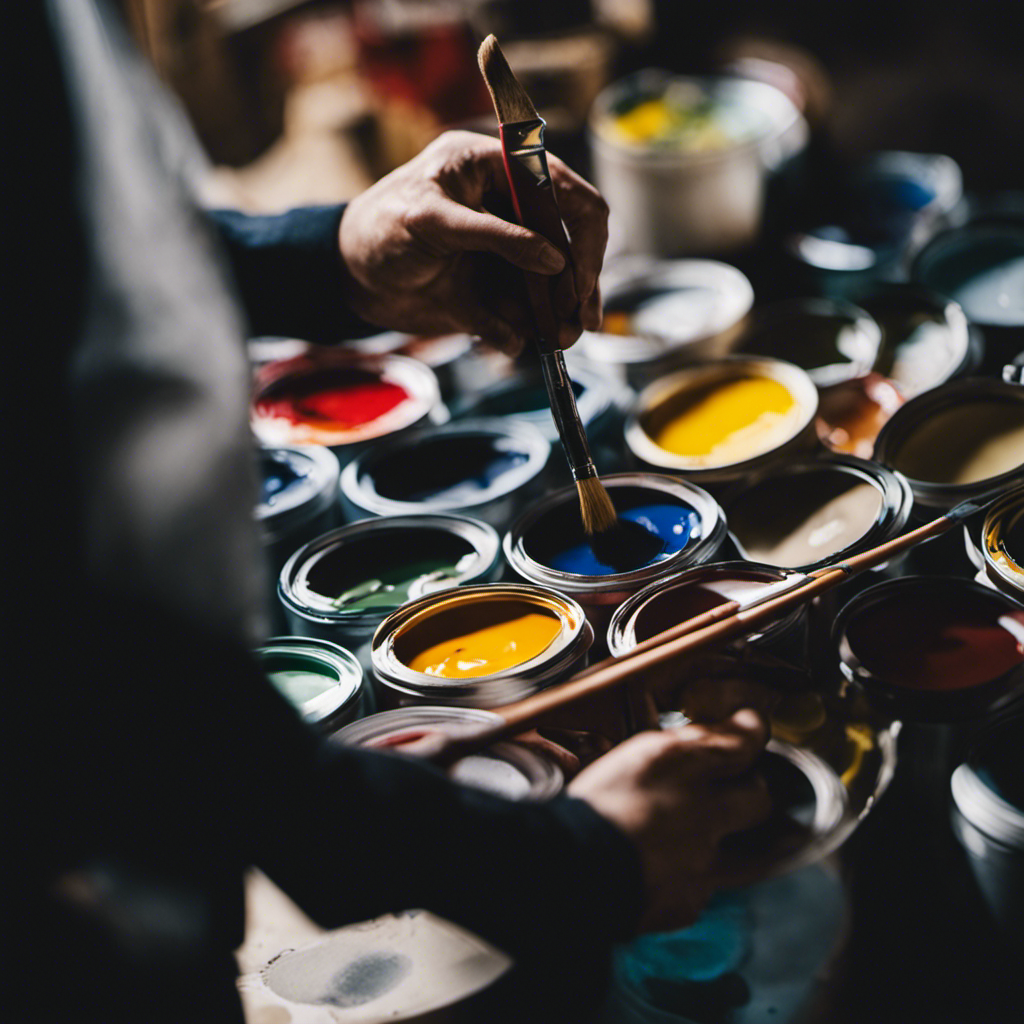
{"x":533,"y":198}
{"x":705,"y":632}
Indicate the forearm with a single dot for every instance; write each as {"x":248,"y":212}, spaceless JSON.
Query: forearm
{"x":290,"y":274}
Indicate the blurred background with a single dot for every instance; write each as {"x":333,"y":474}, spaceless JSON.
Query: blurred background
{"x":303,"y":101}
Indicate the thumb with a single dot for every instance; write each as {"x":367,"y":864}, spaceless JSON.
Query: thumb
{"x":459,"y":228}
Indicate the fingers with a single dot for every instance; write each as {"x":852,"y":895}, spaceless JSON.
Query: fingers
{"x":739,"y":804}
{"x":724,"y":750}
{"x":495,"y":331}
{"x":457,"y":228}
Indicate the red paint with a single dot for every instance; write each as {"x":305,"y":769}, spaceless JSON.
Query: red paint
{"x":926,"y":640}
{"x":346,"y":398}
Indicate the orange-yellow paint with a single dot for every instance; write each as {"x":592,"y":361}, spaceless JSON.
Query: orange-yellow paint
{"x":733,"y":421}
{"x":489,"y":650}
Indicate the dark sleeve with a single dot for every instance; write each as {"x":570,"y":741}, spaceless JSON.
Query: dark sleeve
{"x":290,"y":274}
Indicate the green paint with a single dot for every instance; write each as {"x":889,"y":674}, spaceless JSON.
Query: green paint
{"x":299,"y":679}
{"x":390,"y":588}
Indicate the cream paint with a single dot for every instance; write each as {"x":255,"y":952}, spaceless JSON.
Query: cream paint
{"x":970,"y":442}
{"x":791,"y":527}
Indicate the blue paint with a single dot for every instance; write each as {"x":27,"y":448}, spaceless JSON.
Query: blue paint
{"x":280,"y":475}
{"x":673,"y":525}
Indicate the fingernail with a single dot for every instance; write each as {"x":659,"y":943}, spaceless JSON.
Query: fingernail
{"x":551,"y":259}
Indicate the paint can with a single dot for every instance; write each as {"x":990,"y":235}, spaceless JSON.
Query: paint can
{"x":926,"y":339}
{"x":341,"y":585}
{"x":321,"y":680}
{"x":682,"y":596}
{"x":662,"y":314}
{"x":404,"y":967}
{"x":755,"y":954}
{"x":508,"y":769}
{"x":980,"y":265}
{"x":683,"y":162}
{"x":485,"y":468}
{"x":851,"y":415}
{"x":479,"y":646}
{"x":933,"y":648}
{"x":811,"y":513}
{"x":444,"y":354}
{"x":963,"y":440}
{"x":1003,"y":539}
{"x":298,"y":501}
{"x":342,"y":400}
{"x":832,"y":340}
{"x":988,"y":818}
{"x":547,"y":545}
{"x":718,"y":422}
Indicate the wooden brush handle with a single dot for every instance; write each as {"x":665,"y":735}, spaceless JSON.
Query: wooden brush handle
{"x":533,"y":197}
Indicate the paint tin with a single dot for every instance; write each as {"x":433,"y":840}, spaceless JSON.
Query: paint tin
{"x":683,"y":162}
{"x":661,"y":314}
{"x":988,"y":817}
{"x":341,"y":399}
{"x":409,"y":966}
{"x":926,"y":339}
{"x":668,"y":602}
{"x":815,"y":512}
{"x":298,"y":501}
{"x":718,"y":422}
{"x":833,"y":341}
{"x":442,"y":353}
{"x":980,"y":265}
{"x":1003,"y":535}
{"x":341,"y":585}
{"x":480,"y":646}
{"x":523,"y":397}
{"x":547,"y":545}
{"x":933,"y":648}
{"x":851,"y":415}
{"x":486,"y":468}
{"x":962,"y":440}
{"x":321,"y":680}
{"x":508,"y":769}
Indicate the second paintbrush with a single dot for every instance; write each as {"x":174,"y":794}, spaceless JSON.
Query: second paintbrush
{"x":533,"y":198}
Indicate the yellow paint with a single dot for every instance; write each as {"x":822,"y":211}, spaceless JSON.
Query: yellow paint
{"x":734,"y":421}
{"x":489,"y":650}
{"x":859,"y":739}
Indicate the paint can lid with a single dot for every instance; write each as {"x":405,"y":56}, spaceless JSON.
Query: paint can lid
{"x":988,"y":788}
{"x":510,"y":770}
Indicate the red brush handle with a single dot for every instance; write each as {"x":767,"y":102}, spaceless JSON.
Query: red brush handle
{"x":533,"y":198}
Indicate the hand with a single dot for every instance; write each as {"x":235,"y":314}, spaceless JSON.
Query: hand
{"x":676,"y":794}
{"x":424,"y":255}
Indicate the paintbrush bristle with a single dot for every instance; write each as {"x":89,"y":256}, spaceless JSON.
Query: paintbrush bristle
{"x":595,"y":506}
{"x":511,"y":103}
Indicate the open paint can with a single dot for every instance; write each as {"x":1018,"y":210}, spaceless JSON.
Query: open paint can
{"x":508,"y":769}
{"x":341,"y":585}
{"x":1003,"y":537}
{"x":719,"y":422}
{"x":486,"y":468}
{"x":933,"y":648}
{"x":851,"y":415}
{"x":524,"y":397}
{"x":831,"y":340}
{"x":815,"y":512}
{"x":321,"y":680}
{"x":442,"y":353}
{"x":341,"y":399}
{"x":962,"y":440}
{"x":662,"y":314}
{"x":980,"y":265}
{"x":926,"y":339}
{"x":988,"y":817}
{"x":665,"y":525}
{"x":298,"y":501}
{"x":685,"y":595}
{"x":482,"y":646}
{"x":410,"y":966}
{"x":683,"y":162}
